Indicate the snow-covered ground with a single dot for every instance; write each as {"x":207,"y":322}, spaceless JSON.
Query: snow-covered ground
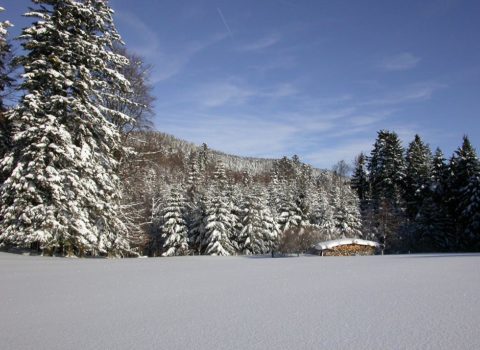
{"x":379,"y":302}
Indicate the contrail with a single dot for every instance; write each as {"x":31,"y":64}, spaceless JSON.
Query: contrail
{"x":224,"y":21}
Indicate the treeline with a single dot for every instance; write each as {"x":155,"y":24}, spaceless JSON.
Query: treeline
{"x":416,"y":201}
{"x":193,"y":203}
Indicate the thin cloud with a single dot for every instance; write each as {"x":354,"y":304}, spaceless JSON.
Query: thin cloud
{"x":234,"y":92}
{"x":400,"y":62}
{"x":166,"y":63}
{"x":225,"y":23}
{"x":413,"y":93}
{"x":261,"y":43}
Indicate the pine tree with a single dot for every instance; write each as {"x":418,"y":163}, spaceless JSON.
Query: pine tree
{"x":5,"y":82}
{"x":387,"y":179}
{"x":260,"y":232}
{"x":323,"y":216}
{"x":348,"y":221}
{"x":289,"y":212}
{"x":464,"y":170}
{"x":174,"y":229}
{"x":418,"y":174}
{"x":470,"y":214}
{"x":359,"y":181}
{"x":218,"y":227}
{"x":433,"y":223}
{"x":387,"y":168}
{"x":62,"y":188}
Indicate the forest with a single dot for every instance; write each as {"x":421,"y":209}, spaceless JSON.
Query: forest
{"x":83,"y":173}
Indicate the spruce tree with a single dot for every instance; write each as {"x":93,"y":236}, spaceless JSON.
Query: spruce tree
{"x":174,"y":229}
{"x":387,"y":179}
{"x":464,"y":170}
{"x":348,"y":221}
{"x":359,"y":181}
{"x":387,"y":168}
{"x":433,"y":224}
{"x":5,"y":83}
{"x":218,"y":227}
{"x":418,"y":173}
{"x":260,"y":232}
{"x":323,"y":216}
{"x":62,"y":188}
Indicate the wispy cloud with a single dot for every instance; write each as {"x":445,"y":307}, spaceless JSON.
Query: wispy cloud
{"x":400,"y":62}
{"x":261,"y":43}
{"x":167,"y":62}
{"x":224,"y":21}
{"x":235,"y":92}
{"x":412,"y":93}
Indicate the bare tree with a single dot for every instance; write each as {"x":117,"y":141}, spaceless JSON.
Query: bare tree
{"x":136,"y":103}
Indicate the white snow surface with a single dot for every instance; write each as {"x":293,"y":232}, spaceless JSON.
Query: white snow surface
{"x":372,"y":302}
{"x":344,"y":241}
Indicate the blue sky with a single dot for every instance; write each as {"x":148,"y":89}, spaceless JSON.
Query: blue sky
{"x":314,"y":78}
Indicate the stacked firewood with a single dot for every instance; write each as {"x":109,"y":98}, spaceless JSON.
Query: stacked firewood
{"x":348,"y":250}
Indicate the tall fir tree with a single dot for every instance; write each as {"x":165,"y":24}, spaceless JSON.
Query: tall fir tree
{"x":5,"y":83}
{"x":464,"y":170}
{"x":387,"y":168}
{"x":434,"y":227}
{"x":218,"y":226}
{"x":387,"y":181}
{"x":62,"y":188}
{"x":260,"y":232}
{"x":348,"y":221}
{"x":359,"y":181}
{"x":174,"y":229}
{"x":418,"y":174}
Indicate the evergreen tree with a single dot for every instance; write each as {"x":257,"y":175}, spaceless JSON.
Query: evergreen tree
{"x":417,"y":180}
{"x":360,"y":181}
{"x":464,"y":170}
{"x":218,"y":227}
{"x":470,"y":214}
{"x":348,"y":221}
{"x":5,"y":82}
{"x":433,"y":224}
{"x":387,"y":179}
{"x":290,"y":215}
{"x":323,"y":217}
{"x":174,"y":229}
{"x":387,"y":168}
{"x":62,"y":188}
{"x":260,"y":232}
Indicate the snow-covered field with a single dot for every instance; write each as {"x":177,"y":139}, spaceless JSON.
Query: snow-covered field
{"x":389,"y":302}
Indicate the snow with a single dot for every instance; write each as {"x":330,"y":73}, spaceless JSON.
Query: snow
{"x":374,"y":302}
{"x":344,"y":241}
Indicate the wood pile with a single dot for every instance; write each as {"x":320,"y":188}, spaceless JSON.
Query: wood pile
{"x":349,"y":250}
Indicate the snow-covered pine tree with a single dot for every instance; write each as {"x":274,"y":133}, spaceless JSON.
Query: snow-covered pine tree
{"x":359,"y":181}
{"x":464,"y":170}
{"x":387,"y":168}
{"x":346,"y":208}
{"x":5,"y":55}
{"x":62,"y":188}
{"x":235,"y":198}
{"x":174,"y":229}
{"x":289,"y":213}
{"x":218,"y":226}
{"x":5,"y":83}
{"x":322,"y":216}
{"x":197,"y":220}
{"x":471,"y":212}
{"x":418,"y":174}
{"x":260,"y":232}
{"x":434,"y":226}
